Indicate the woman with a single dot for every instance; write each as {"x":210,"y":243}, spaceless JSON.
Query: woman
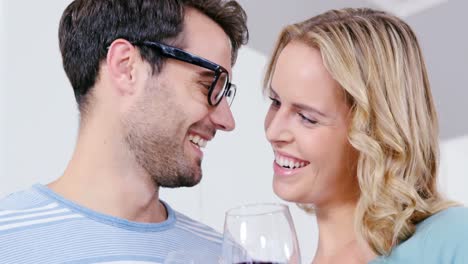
{"x":354,"y":131}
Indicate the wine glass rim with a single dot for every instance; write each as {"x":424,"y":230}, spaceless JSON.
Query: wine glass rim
{"x":280,"y":207}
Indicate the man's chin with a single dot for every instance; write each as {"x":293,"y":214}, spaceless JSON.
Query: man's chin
{"x":183,"y":181}
{"x":196,"y":179}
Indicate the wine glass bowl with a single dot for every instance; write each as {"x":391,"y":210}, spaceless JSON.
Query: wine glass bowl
{"x":260,"y":234}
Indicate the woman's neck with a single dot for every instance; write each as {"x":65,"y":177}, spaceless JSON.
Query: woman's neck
{"x":338,"y":240}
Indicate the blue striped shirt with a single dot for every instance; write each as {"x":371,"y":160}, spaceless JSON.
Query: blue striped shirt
{"x":39,"y":226}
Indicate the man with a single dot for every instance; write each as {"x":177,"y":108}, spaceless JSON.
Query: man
{"x":152,"y":79}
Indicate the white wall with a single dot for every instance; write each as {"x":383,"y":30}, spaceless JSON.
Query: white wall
{"x":2,"y":88}
{"x":40,"y":125}
{"x":41,"y":121}
{"x":454,"y":168}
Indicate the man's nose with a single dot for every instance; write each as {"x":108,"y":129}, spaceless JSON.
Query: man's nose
{"x":222,"y":116}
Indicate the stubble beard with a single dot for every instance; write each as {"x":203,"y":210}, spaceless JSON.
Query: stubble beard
{"x":154,"y":137}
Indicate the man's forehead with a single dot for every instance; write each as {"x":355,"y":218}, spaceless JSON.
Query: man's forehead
{"x":204,"y":37}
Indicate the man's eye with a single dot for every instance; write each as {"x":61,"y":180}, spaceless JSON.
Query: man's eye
{"x":206,"y":85}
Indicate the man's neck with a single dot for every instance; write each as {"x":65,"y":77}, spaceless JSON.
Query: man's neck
{"x":104,"y":176}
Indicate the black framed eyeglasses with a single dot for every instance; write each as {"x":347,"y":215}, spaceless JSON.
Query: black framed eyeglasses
{"x":221,"y":85}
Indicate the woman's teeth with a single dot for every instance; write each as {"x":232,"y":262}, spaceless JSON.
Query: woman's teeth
{"x":289,"y":163}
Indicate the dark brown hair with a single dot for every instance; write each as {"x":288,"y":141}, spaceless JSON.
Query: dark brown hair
{"x":87,"y":27}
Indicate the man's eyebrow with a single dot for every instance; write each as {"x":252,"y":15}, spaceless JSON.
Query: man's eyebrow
{"x":206,"y":73}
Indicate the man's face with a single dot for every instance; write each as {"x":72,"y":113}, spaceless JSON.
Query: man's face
{"x":171,"y":120}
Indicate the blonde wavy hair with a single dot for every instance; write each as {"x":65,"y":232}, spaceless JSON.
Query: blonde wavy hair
{"x":376,"y":59}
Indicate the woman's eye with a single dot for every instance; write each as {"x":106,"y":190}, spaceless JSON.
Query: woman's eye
{"x":306,"y":119}
{"x":275,"y":102}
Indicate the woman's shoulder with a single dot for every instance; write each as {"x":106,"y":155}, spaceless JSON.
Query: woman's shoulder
{"x":451,"y":222}
{"x":440,"y":238}
{"x":443,"y":237}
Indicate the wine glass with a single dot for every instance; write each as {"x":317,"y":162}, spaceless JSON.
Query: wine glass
{"x":260,"y":234}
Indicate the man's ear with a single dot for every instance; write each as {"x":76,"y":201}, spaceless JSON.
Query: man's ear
{"x":122,"y":59}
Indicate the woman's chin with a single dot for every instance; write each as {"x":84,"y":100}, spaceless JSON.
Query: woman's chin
{"x":287,"y":193}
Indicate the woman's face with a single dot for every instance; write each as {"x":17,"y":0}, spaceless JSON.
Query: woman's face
{"x":307,"y":126}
